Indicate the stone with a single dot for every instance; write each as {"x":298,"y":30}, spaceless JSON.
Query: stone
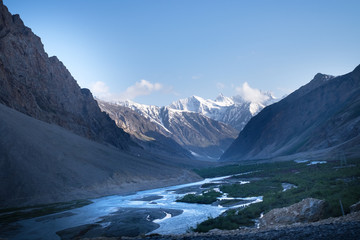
{"x":355,"y":207}
{"x":308,"y":210}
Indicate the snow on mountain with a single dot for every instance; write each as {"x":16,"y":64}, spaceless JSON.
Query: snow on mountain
{"x":235,"y":111}
{"x":202,"y":126}
{"x":204,"y":137}
{"x":151,"y":112}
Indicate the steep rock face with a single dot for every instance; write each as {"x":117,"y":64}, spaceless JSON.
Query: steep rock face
{"x":148,"y":134}
{"x":43,"y":88}
{"x":321,"y":115}
{"x":205,"y":138}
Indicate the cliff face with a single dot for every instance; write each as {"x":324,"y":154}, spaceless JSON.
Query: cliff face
{"x":42,"y":87}
{"x":320,"y":116}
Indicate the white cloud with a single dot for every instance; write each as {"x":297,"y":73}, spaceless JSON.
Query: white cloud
{"x":140,"y":88}
{"x":100,"y":87}
{"x":251,"y":94}
{"x":100,"y":90}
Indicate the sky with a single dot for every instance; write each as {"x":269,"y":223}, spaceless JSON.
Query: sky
{"x":158,"y":51}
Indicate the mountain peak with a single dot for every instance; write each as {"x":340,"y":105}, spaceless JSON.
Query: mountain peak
{"x":322,"y":77}
{"x":220,"y":98}
{"x":197,"y":98}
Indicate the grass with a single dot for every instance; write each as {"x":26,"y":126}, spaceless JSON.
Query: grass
{"x":321,"y":181}
{"x":207,"y":197}
{"x":15,"y":214}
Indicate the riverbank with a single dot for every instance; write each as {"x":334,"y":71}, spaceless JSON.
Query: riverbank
{"x":341,"y":228}
{"x":145,"y":212}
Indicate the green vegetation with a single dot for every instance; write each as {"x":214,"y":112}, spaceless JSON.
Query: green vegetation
{"x":252,"y":189}
{"x":224,"y":170}
{"x":15,"y":214}
{"x":323,"y":181}
{"x":207,"y":197}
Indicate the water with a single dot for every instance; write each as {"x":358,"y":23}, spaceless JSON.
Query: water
{"x":46,"y":227}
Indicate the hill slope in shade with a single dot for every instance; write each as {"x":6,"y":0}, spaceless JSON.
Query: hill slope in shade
{"x":323,"y":115}
{"x":43,"y":88}
{"x":44,"y":163}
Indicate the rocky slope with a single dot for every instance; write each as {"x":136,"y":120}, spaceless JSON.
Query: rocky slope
{"x":322,"y":116}
{"x":205,"y":138}
{"x":148,"y":134}
{"x":44,"y":163}
{"x":43,"y":88}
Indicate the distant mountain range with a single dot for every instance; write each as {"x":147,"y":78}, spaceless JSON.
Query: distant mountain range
{"x":320,"y":119}
{"x":205,"y":128}
{"x":234,"y":111}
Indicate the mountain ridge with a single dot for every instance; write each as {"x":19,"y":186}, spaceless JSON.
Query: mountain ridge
{"x":235,"y":111}
{"x":42,"y":87}
{"x":318,"y":116}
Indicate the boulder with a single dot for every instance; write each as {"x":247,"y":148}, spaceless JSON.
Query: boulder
{"x":308,"y":210}
{"x":355,"y":207}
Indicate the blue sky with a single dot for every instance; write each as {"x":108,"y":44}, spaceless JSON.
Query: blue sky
{"x":157,"y":51}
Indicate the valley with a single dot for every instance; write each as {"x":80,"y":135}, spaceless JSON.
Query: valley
{"x":79,"y":164}
{"x":243,"y":196}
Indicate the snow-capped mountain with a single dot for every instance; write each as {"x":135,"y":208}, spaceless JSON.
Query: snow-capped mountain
{"x":202,"y":126}
{"x":204,"y":137}
{"x":235,"y":111}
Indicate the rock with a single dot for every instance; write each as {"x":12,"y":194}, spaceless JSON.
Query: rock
{"x":308,"y":210}
{"x":42,"y":87}
{"x":355,"y":207}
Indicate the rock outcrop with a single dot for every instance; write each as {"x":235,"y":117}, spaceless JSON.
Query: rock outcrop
{"x":355,"y":207}
{"x":42,"y":87}
{"x":308,"y":210}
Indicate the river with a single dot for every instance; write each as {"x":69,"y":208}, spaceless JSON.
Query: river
{"x":175,"y":217}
